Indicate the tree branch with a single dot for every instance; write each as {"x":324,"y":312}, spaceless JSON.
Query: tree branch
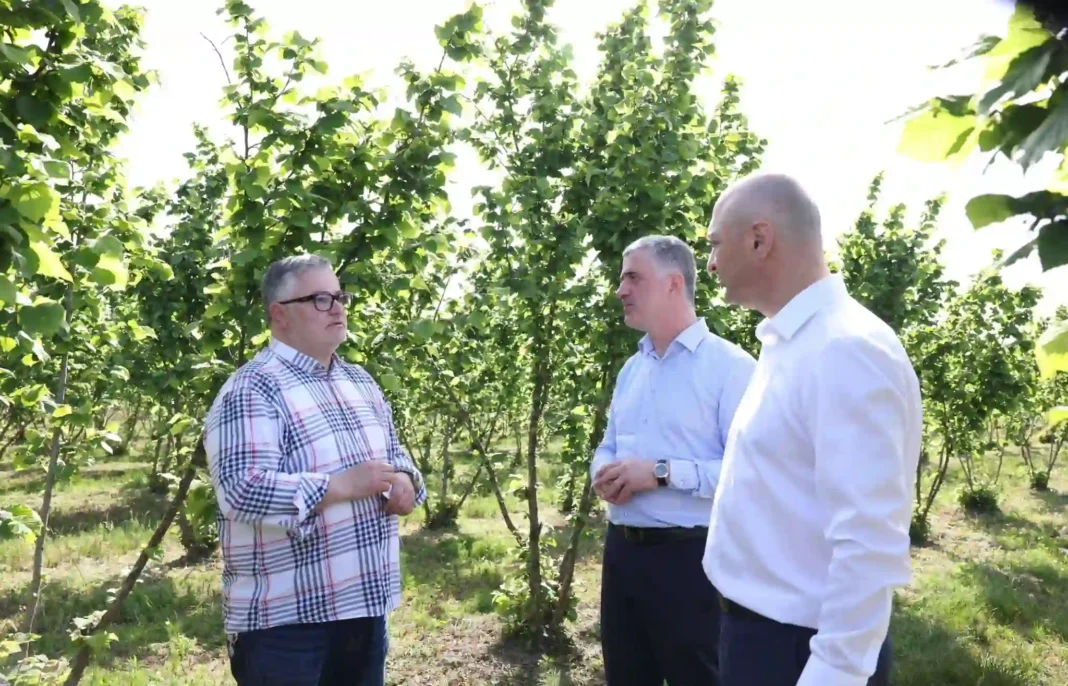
{"x":226,"y":71}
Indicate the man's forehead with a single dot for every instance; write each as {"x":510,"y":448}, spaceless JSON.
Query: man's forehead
{"x":634,"y":261}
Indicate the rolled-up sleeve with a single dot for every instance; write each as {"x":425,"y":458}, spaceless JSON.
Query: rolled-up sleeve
{"x":243,"y":445}
{"x":860,"y":418}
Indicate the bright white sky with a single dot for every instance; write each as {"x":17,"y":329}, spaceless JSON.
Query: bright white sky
{"x":821,"y":78}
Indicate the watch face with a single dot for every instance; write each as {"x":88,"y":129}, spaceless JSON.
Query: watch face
{"x":660,"y":470}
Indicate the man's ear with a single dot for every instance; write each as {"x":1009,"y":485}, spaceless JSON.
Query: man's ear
{"x":762,"y":237}
{"x":278,"y":315}
{"x":678,"y":283}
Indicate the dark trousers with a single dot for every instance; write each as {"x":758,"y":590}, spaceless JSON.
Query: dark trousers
{"x":757,"y":650}
{"x":659,"y":613}
{"x":349,"y":651}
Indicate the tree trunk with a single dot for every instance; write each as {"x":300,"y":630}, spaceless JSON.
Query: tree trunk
{"x":132,"y":426}
{"x":156,"y":459}
{"x":567,"y":564}
{"x":81,"y":660}
{"x":50,"y":478}
{"x":470,"y":488}
{"x":540,"y":397}
{"x":500,"y":499}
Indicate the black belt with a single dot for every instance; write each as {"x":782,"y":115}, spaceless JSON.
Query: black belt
{"x":735,"y":610}
{"x":668,"y":534}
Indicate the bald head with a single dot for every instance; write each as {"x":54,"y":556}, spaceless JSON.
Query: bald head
{"x":765,"y":242}
{"x":774,"y":199}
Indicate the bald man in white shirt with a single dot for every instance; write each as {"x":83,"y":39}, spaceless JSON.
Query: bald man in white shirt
{"x":808,"y":535}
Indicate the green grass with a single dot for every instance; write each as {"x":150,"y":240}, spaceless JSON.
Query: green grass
{"x":988,"y":604}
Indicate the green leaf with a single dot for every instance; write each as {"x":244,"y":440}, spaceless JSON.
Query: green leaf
{"x":72,"y":10}
{"x":49,"y":263}
{"x":1024,"y":33}
{"x":1051,"y":351}
{"x":15,"y":53}
{"x":452,"y":104}
{"x":992,"y":208}
{"x":7,"y":291}
{"x":1053,"y":245}
{"x":936,"y":135}
{"x":1026,"y":72}
{"x":985,"y":44}
{"x":1051,"y":135}
{"x":390,"y":382}
{"x":109,"y":245}
{"x":424,"y":329}
{"x":38,"y":113}
{"x":57,"y":169}
{"x":984,"y":210}
{"x":110,"y":271}
{"x":62,"y":411}
{"x":43,"y":318}
{"x":180,"y":426}
{"x":19,"y":521}
{"x":34,"y":201}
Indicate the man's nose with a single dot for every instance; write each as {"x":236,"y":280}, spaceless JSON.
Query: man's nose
{"x":711,"y":266}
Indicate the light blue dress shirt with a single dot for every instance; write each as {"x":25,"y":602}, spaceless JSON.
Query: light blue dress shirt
{"x":678,"y":407}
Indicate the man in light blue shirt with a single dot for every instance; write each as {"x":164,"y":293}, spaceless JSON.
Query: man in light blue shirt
{"x":657,"y":468}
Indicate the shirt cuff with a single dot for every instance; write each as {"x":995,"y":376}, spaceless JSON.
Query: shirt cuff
{"x":819,"y":673}
{"x":683,"y":475}
{"x":310,"y":490}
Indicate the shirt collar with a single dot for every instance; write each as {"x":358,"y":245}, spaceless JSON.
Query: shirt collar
{"x":689,"y":338}
{"x":299,"y":360}
{"x":802,"y":307}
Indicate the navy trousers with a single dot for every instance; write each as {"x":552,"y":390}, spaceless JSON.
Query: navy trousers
{"x":757,"y":650}
{"x":659,"y":613}
{"x":348,"y":651}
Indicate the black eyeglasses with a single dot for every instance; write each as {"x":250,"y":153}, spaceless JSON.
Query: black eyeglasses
{"x":323,"y":301}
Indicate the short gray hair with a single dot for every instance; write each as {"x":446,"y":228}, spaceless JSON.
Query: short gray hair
{"x":279,"y":278}
{"x":672,"y":254}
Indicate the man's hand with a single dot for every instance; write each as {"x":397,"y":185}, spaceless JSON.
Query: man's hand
{"x":362,"y":481}
{"x":402,"y":497}
{"x":618,"y":481}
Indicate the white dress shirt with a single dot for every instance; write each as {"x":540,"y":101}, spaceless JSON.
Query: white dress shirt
{"x":810,"y":524}
{"x":677,"y":407}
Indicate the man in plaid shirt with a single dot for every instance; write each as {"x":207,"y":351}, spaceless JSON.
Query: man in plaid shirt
{"x":310,"y":478}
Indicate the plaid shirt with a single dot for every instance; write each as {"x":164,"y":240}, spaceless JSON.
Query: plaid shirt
{"x":277,"y":429}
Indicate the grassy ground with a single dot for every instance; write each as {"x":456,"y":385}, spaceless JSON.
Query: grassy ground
{"x":989,"y":603}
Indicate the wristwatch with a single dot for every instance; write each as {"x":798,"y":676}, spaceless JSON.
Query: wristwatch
{"x":661,"y":471}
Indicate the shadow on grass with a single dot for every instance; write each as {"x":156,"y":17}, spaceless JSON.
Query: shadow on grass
{"x":158,"y":598}
{"x":1031,"y":597}
{"x":926,"y":653}
{"x":1013,"y":532}
{"x":1055,"y":503}
{"x":31,"y":481}
{"x":455,"y":565}
{"x":535,"y":665}
{"x":136,"y":505}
